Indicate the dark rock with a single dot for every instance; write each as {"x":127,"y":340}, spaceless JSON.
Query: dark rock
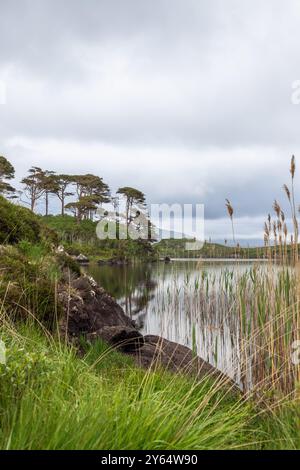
{"x":124,"y":338}
{"x":167,"y":259}
{"x":175,"y":357}
{"x":89,"y":308}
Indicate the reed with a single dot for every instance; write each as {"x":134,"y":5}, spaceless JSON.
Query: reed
{"x":290,"y":194}
{"x":231,"y":213}
{"x":246,"y":320}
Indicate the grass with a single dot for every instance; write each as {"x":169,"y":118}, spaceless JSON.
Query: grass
{"x":52,"y":399}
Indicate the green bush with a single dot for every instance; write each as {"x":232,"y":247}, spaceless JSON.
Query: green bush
{"x":27,"y":283}
{"x":17,"y":223}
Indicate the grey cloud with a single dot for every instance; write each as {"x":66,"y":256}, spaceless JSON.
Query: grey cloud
{"x":158,"y":83}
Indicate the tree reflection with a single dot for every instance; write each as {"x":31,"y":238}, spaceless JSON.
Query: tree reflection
{"x":132,"y":286}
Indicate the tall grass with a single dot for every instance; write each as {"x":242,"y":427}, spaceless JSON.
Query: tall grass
{"x":265,"y":303}
{"x":52,"y":399}
{"x":242,"y":320}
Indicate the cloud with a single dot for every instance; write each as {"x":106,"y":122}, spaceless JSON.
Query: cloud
{"x":191,"y":101}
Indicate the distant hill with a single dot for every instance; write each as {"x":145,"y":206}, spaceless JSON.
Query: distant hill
{"x":176,"y":248}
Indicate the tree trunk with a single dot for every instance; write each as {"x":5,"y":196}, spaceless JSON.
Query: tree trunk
{"x":62,"y":206}
{"x":47,"y":203}
{"x":127,"y":213}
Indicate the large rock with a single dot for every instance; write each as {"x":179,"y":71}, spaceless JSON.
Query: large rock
{"x":160,"y":352}
{"x":172,"y":356}
{"x":88,"y":308}
{"x":124,"y":338}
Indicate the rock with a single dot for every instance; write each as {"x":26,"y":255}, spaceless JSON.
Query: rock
{"x":177,"y":358}
{"x":81,"y":259}
{"x":82,"y":284}
{"x":167,"y":259}
{"x":123,"y":338}
{"x":88,"y":308}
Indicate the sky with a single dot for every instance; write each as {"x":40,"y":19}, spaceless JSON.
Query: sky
{"x":191,"y":101}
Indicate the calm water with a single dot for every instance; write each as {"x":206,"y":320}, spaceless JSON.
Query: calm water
{"x":165,"y":299}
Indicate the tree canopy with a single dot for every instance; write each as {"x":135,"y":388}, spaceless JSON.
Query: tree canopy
{"x":132,"y":196}
{"x":33,"y":185}
{"x":80,"y":194}
{"x":7,"y":172}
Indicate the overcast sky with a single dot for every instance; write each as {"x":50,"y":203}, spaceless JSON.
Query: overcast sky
{"x":188,"y":100}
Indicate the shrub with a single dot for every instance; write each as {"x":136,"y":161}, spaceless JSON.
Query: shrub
{"x":27,"y":285}
{"x":18,"y":223}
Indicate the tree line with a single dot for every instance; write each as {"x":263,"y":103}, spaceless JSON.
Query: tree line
{"x":89,"y":191}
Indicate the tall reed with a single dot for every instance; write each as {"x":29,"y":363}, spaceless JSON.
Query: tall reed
{"x":246,"y":320}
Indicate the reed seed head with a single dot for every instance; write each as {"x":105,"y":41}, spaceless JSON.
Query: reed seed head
{"x":267,"y":231}
{"x":277,"y":208}
{"x":287,"y":191}
{"x":229,"y":208}
{"x":293,"y":166}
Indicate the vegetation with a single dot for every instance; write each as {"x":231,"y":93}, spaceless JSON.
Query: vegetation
{"x":29,"y":268}
{"x":132,"y":196}
{"x":82,"y":238}
{"x":230,"y":213}
{"x":7,"y":172}
{"x":77,"y":233}
{"x":91,"y":191}
{"x":33,"y":185}
{"x":52,"y":399}
{"x":28,"y":281}
{"x":18,"y":223}
{"x":176,"y":248}
{"x":246,"y":321}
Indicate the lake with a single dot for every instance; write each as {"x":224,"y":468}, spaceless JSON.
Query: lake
{"x":185,"y":301}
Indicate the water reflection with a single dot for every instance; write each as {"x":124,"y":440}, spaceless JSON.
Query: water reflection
{"x":132,"y":286}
